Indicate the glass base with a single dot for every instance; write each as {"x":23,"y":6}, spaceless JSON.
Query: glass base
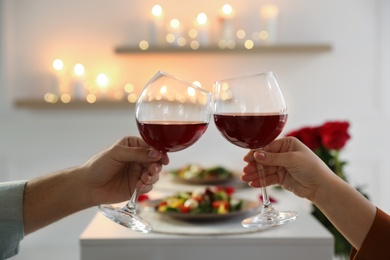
{"x":269,"y":217}
{"x":125,"y":218}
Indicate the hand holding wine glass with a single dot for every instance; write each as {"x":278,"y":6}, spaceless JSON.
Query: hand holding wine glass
{"x":128,"y":165}
{"x":250,"y":112}
{"x":171,"y":115}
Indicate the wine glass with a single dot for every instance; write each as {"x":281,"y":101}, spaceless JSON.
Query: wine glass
{"x":171,"y":115}
{"x":250,"y":112}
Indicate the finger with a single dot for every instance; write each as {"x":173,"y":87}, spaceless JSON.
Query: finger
{"x":153,"y":172}
{"x":164,"y":159}
{"x":249,"y":157}
{"x":249,"y":177}
{"x":251,"y":173}
{"x":148,"y":179}
{"x":273,"y":159}
{"x":250,"y":168}
{"x":269,"y":180}
{"x":150,"y":174}
{"x":133,"y":141}
{"x":152,"y":168}
{"x":146,"y":189}
{"x":135,"y":154}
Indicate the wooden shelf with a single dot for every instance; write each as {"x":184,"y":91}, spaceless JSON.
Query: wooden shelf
{"x":276,"y":48}
{"x":38,"y":104}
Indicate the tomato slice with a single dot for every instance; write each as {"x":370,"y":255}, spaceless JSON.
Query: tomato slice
{"x":184,"y":209}
{"x":162,"y":203}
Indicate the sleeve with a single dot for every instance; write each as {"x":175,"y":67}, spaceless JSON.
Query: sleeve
{"x":11,"y":217}
{"x":376,"y":243}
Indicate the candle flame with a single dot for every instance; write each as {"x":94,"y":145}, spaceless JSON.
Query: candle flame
{"x":58,"y":64}
{"x":102,"y":80}
{"x":191,"y":91}
{"x":157,"y":10}
{"x":79,"y":69}
{"x":201,"y":18}
{"x":227,"y":9}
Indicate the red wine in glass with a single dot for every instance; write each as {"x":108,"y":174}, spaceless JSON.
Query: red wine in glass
{"x":250,"y":130}
{"x":250,"y":112}
{"x":170,"y":136}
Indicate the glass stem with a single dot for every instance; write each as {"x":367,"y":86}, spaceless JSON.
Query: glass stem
{"x":132,"y":204}
{"x":266,"y":201}
{"x":263,"y":184}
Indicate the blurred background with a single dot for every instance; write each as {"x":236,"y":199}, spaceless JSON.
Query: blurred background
{"x":339,"y":71}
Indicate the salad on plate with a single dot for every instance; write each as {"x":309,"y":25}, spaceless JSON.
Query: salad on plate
{"x":211,"y":200}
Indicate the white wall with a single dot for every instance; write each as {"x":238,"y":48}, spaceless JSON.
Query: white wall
{"x":349,"y":83}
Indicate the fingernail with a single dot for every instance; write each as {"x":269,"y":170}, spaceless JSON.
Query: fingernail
{"x":259,"y":155}
{"x":153,"y":154}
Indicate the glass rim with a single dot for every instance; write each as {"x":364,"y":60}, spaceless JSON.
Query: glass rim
{"x":247,"y":76}
{"x":162,"y":72}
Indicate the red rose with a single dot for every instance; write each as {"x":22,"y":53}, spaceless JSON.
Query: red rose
{"x":310,"y":136}
{"x":334,"y":135}
{"x":143,"y":197}
{"x":272,"y":200}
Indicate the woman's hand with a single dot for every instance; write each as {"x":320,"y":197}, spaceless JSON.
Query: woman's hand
{"x":289,"y":163}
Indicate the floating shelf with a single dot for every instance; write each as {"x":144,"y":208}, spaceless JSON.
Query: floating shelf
{"x":38,"y":104}
{"x":275,"y":48}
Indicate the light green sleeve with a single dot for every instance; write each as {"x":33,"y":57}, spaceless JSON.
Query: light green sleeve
{"x":11,"y":217}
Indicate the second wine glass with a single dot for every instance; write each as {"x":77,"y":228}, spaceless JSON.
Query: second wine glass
{"x":250,"y":112}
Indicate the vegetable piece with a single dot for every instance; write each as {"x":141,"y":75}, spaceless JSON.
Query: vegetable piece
{"x":220,"y":203}
{"x":184,"y":209}
{"x":221,"y":206}
{"x":221,"y":195}
{"x":175,"y":202}
{"x":191,"y":203}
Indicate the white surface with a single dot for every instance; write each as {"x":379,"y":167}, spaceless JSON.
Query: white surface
{"x":304,"y":238}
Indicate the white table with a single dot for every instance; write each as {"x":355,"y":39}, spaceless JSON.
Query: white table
{"x":304,"y":238}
